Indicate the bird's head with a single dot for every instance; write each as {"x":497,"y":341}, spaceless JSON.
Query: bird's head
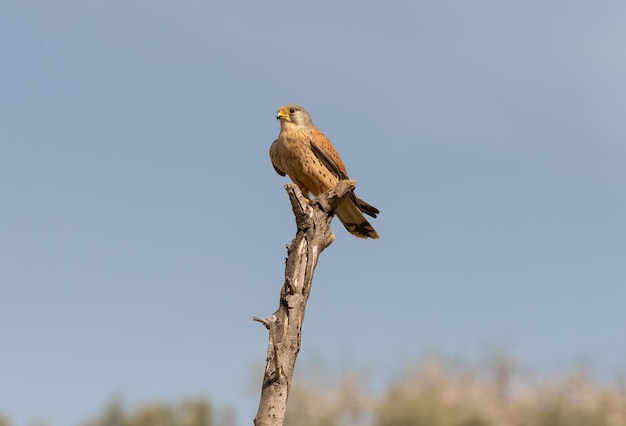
{"x":293,"y":114}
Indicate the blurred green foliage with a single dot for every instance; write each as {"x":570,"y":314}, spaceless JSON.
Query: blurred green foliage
{"x":189,"y":413}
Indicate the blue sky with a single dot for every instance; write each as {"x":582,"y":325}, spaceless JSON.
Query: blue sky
{"x":142,"y":225}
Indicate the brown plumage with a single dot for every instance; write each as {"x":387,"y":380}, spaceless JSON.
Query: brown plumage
{"x":304,"y":153}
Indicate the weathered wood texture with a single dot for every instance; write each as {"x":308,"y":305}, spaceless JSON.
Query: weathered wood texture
{"x":285,"y":325}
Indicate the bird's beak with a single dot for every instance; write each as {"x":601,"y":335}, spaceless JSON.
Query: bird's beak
{"x":280,"y":115}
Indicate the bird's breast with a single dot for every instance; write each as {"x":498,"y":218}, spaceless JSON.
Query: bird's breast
{"x":295,"y":157}
{"x":293,"y":149}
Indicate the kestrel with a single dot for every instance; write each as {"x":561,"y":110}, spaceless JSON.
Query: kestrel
{"x":304,"y":153}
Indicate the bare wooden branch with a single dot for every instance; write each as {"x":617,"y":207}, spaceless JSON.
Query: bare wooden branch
{"x":312,"y":237}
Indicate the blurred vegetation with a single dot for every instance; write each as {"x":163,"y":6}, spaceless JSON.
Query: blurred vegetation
{"x":439,"y":393}
{"x":196,"y":412}
{"x":432,"y":393}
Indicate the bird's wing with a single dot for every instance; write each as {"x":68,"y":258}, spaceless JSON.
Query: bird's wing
{"x":366,"y":207}
{"x":326,"y":153}
{"x":273,"y":155}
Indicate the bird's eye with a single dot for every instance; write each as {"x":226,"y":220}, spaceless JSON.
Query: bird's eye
{"x":292,"y":110}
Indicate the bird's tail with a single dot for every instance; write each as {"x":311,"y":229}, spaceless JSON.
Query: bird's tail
{"x":350,"y":215}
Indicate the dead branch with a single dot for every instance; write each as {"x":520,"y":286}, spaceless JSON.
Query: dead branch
{"x":312,"y":237}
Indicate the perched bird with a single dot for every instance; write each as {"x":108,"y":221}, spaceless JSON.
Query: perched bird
{"x":304,"y":153}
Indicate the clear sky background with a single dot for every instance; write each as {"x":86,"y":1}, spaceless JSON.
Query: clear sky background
{"x":142,"y":224}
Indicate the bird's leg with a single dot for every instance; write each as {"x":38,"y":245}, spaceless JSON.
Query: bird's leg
{"x":305,"y":193}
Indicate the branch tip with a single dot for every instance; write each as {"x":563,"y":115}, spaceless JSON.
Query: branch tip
{"x":265,"y":322}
